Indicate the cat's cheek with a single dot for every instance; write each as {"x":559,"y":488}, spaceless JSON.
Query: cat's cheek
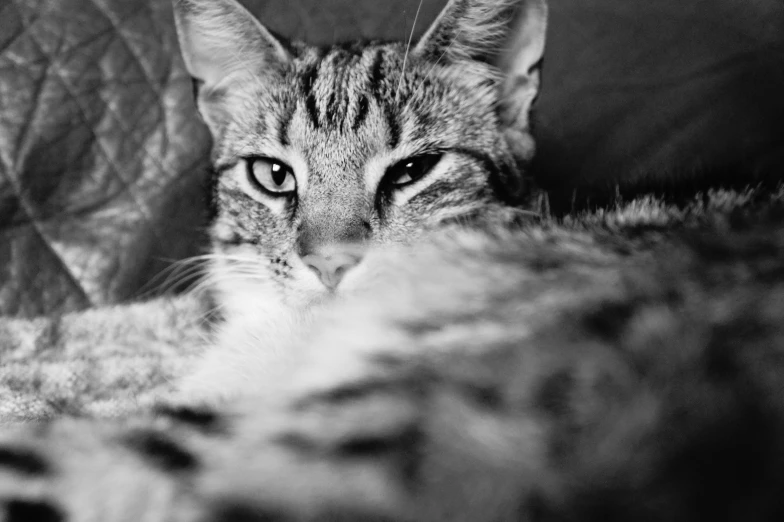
{"x":401,"y":227}
{"x":224,"y":233}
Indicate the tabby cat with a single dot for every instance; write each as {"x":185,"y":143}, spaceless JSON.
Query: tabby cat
{"x":322,"y":153}
{"x":434,"y":358}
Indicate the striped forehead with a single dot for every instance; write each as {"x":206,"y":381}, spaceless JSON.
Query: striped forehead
{"x":339,"y":85}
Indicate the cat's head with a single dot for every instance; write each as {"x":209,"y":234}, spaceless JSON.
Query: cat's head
{"x":318,"y":152}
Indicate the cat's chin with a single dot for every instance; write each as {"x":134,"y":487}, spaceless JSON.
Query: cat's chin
{"x":264,"y":323}
{"x":307,"y":297}
{"x":254,"y":345}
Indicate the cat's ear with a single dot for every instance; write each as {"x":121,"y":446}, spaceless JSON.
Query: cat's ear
{"x":507,"y":33}
{"x":520,"y":60}
{"x":220,"y":37}
{"x":510,"y":35}
{"x":477,"y":30}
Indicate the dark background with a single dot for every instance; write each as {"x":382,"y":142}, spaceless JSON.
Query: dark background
{"x":102,"y":158}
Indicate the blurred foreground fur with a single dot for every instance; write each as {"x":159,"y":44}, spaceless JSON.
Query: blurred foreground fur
{"x":625,"y":366}
{"x":621,"y":365}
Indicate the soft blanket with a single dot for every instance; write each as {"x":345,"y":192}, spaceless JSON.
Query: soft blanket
{"x":101,"y":362}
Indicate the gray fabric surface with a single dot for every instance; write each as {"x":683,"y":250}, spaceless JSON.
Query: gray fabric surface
{"x":103,"y":362}
{"x":101,"y":153}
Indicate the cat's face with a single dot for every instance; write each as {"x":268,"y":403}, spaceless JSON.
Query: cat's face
{"x":320,"y":153}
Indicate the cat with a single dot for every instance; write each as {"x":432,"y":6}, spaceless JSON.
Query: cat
{"x":321,"y":154}
{"x":450,"y":362}
{"x":489,"y":375}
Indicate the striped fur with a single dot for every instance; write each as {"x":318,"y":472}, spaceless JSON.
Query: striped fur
{"x":342,"y":118}
{"x":497,"y":375}
{"x":502,"y":372}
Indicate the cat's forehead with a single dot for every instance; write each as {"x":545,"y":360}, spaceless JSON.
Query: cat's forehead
{"x":332,"y":78}
{"x":356,"y":91}
{"x":338,"y":88}
{"x":338,"y":107}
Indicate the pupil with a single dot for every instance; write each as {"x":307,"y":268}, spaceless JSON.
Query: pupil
{"x":278,"y":174}
{"x":412,"y":170}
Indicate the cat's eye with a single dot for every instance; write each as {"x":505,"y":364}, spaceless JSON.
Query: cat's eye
{"x":272,"y":176}
{"x":411,"y":170}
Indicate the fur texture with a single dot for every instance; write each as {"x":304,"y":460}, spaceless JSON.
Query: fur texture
{"x":624,"y":371}
{"x":473,"y":366}
{"x":342,"y":121}
{"x":109,"y":361}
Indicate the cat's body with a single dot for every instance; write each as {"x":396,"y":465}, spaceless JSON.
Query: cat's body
{"x":380,"y":359}
{"x":527,"y":375}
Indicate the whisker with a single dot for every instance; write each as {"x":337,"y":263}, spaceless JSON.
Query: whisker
{"x":248,"y":273}
{"x":207,"y":317}
{"x":433,"y":67}
{"x":181,"y":271}
{"x":405,"y":55}
{"x":427,"y":76}
{"x":169,"y":278}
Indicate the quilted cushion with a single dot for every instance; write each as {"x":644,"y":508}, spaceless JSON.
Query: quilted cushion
{"x":101,"y":155}
{"x":103,"y":159}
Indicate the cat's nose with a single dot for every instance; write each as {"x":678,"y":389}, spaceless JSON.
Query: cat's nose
{"x":331,"y":267}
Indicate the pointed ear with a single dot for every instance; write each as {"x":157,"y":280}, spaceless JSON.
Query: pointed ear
{"x":521,"y":63}
{"x":474,"y":30}
{"x":220,"y":37}
{"x":507,"y":33}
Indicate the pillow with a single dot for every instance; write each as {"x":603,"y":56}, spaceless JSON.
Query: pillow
{"x":102,"y":156}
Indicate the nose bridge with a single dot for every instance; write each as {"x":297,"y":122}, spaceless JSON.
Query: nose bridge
{"x":335,"y":214}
